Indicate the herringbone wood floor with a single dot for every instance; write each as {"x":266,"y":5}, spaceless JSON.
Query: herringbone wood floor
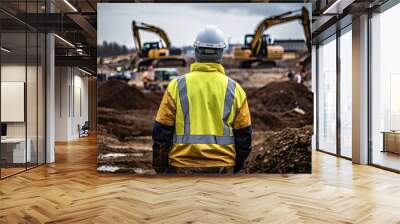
{"x":71,"y":191}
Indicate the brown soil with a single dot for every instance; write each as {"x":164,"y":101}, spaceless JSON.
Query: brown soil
{"x":119,"y":95}
{"x":286,"y":151}
{"x":280,"y":105}
{"x":125,"y":124}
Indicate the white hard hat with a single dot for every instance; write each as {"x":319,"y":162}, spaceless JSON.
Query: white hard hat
{"x":210,"y":37}
{"x":209,"y":44}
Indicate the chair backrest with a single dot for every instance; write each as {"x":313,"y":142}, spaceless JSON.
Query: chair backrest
{"x":86,"y":125}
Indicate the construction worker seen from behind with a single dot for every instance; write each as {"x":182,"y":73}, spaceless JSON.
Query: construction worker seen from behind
{"x":203,"y":124}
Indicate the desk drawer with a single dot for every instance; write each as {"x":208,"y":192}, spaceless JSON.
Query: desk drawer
{"x":392,"y":142}
{"x":15,"y":153}
{"x":6,"y":154}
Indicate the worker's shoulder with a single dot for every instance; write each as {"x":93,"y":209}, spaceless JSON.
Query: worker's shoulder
{"x":174,"y":81}
{"x":237,"y":85}
{"x":173,"y":85}
{"x":232,"y":80}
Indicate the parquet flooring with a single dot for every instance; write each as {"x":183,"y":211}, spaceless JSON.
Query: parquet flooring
{"x":71,"y":191}
{"x":10,"y":171}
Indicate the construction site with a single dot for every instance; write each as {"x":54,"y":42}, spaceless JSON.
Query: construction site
{"x":275,"y":75}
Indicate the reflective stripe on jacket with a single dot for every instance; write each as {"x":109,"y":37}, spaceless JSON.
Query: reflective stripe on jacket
{"x":204,"y":106}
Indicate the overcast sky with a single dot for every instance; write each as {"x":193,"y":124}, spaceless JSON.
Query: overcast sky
{"x":182,"y":21}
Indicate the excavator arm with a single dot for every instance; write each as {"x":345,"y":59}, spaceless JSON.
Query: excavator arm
{"x":154,"y":55}
{"x":136,"y":36}
{"x":136,"y":27}
{"x":267,"y":23}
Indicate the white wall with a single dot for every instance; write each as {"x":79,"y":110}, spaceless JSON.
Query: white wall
{"x":12,"y":73}
{"x":71,"y":94}
{"x":33,"y":127}
{"x":81,"y":103}
{"x":62,"y":81}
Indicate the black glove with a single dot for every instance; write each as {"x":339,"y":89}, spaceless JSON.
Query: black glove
{"x":243,"y":139}
{"x":160,"y":159}
{"x":162,"y":141}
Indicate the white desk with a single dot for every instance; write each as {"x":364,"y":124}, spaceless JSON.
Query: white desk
{"x":18,"y":149}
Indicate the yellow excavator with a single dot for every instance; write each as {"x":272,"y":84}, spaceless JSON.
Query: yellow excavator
{"x":156,"y":54}
{"x":258,"y":48}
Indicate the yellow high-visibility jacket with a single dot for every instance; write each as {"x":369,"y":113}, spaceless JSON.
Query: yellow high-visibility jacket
{"x":204,"y":106}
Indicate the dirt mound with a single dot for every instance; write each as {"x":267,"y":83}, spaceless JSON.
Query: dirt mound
{"x":284,"y":96}
{"x":287,"y":151}
{"x":125,"y":124}
{"x":119,"y":95}
{"x":280,"y":105}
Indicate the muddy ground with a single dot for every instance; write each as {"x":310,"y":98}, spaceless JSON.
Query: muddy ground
{"x":285,"y":151}
{"x":282,"y":115}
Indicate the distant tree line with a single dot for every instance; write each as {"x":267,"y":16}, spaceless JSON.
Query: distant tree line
{"x":108,"y":49}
